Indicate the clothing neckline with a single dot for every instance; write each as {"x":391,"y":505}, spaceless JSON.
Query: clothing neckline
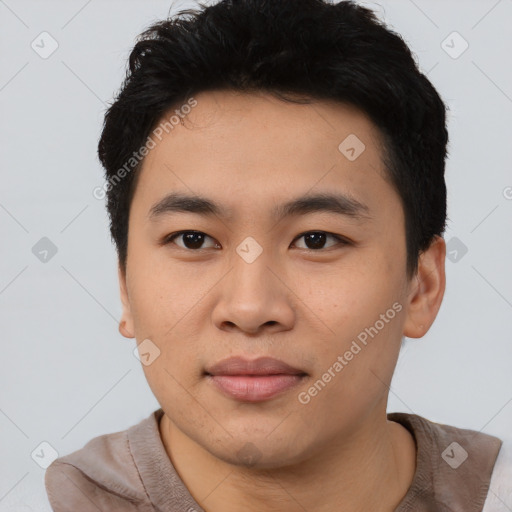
{"x":165,"y":488}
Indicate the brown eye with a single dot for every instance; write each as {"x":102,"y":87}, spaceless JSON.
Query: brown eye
{"x":192,"y":240}
{"x":315,"y":240}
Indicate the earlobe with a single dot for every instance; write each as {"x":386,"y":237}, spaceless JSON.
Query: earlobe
{"x":426,"y":290}
{"x":124,"y":331}
{"x":126,"y":327}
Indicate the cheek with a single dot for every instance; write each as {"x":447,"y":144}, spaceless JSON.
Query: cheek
{"x":348,"y":293}
{"x":361,"y":304}
{"x":161,"y":295}
{"x":164,"y":301}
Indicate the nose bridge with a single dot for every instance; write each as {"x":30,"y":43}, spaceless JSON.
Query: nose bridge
{"x":252,"y":296}
{"x":250,"y":273}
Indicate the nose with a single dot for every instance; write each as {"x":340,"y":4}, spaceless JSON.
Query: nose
{"x":254,"y":298}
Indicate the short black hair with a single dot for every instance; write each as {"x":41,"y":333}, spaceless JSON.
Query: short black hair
{"x":308,"y":48}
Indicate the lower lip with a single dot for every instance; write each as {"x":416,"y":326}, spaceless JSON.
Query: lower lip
{"x":255,"y":388}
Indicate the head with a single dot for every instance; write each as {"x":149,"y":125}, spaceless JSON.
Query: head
{"x":275,"y":184}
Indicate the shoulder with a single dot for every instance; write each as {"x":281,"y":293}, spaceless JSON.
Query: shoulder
{"x":100,"y":476}
{"x":499,"y":497}
{"x":451,"y":441}
{"x":454,"y":465}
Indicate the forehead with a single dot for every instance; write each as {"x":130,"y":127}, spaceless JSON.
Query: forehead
{"x":241,"y":149}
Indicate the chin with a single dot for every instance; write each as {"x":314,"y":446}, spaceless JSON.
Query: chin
{"x":257,"y":452}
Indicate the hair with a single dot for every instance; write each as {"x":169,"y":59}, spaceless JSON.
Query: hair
{"x":308,"y":48}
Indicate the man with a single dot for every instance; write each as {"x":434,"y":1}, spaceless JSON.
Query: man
{"x":275,"y":183}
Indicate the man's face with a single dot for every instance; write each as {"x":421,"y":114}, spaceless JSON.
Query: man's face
{"x":252,"y":285}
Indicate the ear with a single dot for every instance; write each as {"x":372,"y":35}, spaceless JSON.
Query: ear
{"x":126,"y":322}
{"x":426,"y":290}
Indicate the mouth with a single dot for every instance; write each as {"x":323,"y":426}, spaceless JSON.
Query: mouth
{"x":253,"y":380}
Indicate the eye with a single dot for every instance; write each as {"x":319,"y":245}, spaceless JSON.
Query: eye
{"x":191,"y":239}
{"x":315,"y":240}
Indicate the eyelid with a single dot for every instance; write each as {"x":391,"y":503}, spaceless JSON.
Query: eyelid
{"x":340,"y":238}
{"x":167,"y":239}
{"x":341,"y":241}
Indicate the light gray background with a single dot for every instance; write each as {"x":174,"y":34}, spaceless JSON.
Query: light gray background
{"x":67,"y":375}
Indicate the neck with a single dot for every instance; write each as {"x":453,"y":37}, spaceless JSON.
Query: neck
{"x":372,"y":470}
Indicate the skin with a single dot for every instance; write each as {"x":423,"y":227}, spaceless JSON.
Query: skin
{"x":299,"y":304}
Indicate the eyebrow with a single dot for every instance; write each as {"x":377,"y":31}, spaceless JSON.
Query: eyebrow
{"x":340,"y":204}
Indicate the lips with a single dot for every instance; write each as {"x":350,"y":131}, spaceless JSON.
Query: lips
{"x":253,"y":380}
{"x":260,"y":366}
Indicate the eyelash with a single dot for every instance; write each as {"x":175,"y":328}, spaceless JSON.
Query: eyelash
{"x":342,"y":241}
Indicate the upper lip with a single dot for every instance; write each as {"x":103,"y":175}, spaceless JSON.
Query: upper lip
{"x":260,"y":366}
